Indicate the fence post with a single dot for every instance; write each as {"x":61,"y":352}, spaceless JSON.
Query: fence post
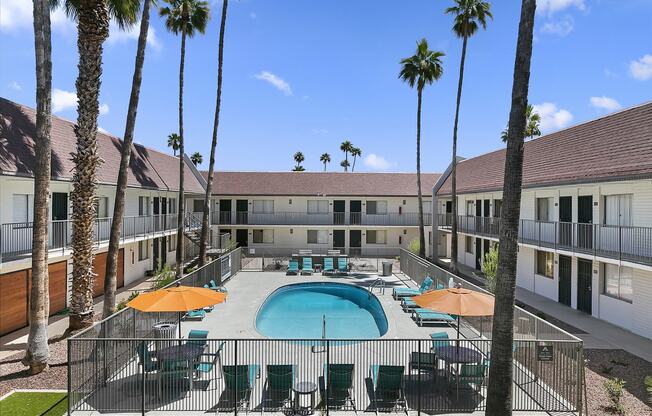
{"x":419,"y":383}
{"x":235,"y":393}
{"x":69,"y":377}
{"x":142,"y":371}
{"x":328,"y":356}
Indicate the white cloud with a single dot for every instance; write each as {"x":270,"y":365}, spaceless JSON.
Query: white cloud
{"x":560,"y":27}
{"x":17,"y":14}
{"x":63,"y":100}
{"x":102,"y":130}
{"x":104,"y":109}
{"x":376,"y":162}
{"x":15,"y":86}
{"x":116,"y":35}
{"x":552,"y":118}
{"x":552,"y":6}
{"x":641,"y":69}
{"x":277,"y":82}
{"x":605,"y":103}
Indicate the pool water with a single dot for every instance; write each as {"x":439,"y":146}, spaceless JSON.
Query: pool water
{"x":297,"y":311}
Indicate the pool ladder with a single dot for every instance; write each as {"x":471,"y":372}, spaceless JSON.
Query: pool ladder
{"x":379,"y":283}
{"x":323,"y":337}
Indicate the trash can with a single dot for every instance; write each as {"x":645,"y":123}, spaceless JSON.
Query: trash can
{"x":164,"y":330}
{"x":387,"y":268}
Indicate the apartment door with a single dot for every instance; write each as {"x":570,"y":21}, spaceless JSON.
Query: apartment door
{"x":486,"y":244}
{"x":478,"y":253}
{"x":355,"y":212}
{"x":565,"y":227}
{"x":241,"y":211}
{"x":225,"y":211}
{"x":585,"y":222}
{"x":156,"y":212}
{"x":339,"y":208}
{"x":59,"y":217}
{"x":355,"y":242}
{"x":584,"y":290}
{"x":164,"y":212}
{"x":486,"y":213}
{"x":449,"y":214}
{"x":242,"y":238}
{"x":156,"y":257}
{"x":338,"y":240}
{"x":478,"y":216}
{"x":164,"y":250}
{"x":564,"y":280}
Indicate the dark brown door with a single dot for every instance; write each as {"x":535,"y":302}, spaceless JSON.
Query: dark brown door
{"x":241,"y":211}
{"x":13,"y":307}
{"x":355,"y":242}
{"x":339,"y":208}
{"x":565,"y":226}
{"x":242,"y":238}
{"x":584,"y":289}
{"x":478,"y":253}
{"x":225,"y":211}
{"x":565,"y":280}
{"x":338,"y":240}
{"x":355,"y":212}
{"x":99,"y":267}
{"x":59,"y":217}
{"x":585,"y":222}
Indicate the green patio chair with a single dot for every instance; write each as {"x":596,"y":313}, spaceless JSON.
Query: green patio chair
{"x":198,"y":337}
{"x":338,"y":381}
{"x":293,"y":267}
{"x":470,"y":375}
{"x":306,"y":267}
{"x":342,"y":265}
{"x":439,"y":339}
{"x":214,"y":286}
{"x":408,"y":303}
{"x":387,"y":381}
{"x":328,"y":266}
{"x":146,"y":358}
{"x":424,"y":361}
{"x":195,"y":315}
{"x":404,"y":292}
{"x":278,"y":386}
{"x":239,"y":383}
{"x":422,"y":315}
{"x":208,"y":361}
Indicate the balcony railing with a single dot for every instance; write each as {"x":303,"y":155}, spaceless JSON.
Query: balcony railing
{"x":626,"y":243}
{"x":16,"y":238}
{"x":331,"y":218}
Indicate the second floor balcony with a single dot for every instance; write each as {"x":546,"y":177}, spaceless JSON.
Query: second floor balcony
{"x":333,"y":218}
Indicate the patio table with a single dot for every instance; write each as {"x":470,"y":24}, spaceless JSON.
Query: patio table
{"x":183,"y":352}
{"x":457,"y":355}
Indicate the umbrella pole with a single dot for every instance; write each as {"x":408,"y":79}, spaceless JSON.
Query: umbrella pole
{"x":179,"y":325}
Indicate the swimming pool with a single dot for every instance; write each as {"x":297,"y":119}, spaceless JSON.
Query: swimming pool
{"x":297,"y":311}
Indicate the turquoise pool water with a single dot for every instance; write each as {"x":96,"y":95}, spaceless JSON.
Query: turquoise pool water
{"x":297,"y":312}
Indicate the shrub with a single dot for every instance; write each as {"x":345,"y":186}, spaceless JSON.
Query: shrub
{"x":614,"y":388}
{"x":414,"y":246}
{"x":648,"y":384}
{"x":490,"y":268}
{"x":164,"y":277}
{"x":123,"y":304}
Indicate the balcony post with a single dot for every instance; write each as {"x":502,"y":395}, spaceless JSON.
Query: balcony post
{"x":620,"y":241}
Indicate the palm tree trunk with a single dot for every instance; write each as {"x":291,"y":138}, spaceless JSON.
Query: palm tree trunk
{"x":499,"y":395}
{"x":353,"y":167}
{"x":346,"y":157}
{"x":38,"y":353}
{"x":216,"y":123}
{"x":422,"y":237}
{"x":93,"y":29}
{"x":453,"y":265}
{"x":110,"y":282}
{"x":324,"y":166}
{"x":182,"y":211}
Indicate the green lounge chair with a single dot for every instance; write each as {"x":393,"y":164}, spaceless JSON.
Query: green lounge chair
{"x":408,"y":304}
{"x":328,"y":266}
{"x":195,"y":315}
{"x":342,"y":266}
{"x":278,"y":386}
{"x":208,"y":361}
{"x":338,"y":382}
{"x":387,"y":381}
{"x":197,"y":337}
{"x":471,"y":375}
{"x":293,"y":267}
{"x":439,"y":339}
{"x":307,"y":266}
{"x":214,"y":286}
{"x":239,"y":383}
{"x":424,"y":361}
{"x":422,"y":315}
{"x":404,"y":292}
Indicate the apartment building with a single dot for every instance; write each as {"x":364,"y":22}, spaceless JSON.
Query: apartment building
{"x":585,"y":233}
{"x":361,"y":214}
{"x":149,"y":226}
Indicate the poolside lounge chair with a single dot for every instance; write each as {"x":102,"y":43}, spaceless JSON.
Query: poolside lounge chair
{"x":422,"y":315}
{"x":195,"y":315}
{"x":306,"y":267}
{"x":387,"y":383}
{"x":403,"y":292}
{"x":408,"y":304}
{"x":197,"y":337}
{"x":424,"y":361}
{"x":328,"y":266}
{"x":214,"y":286}
{"x":239,"y":382}
{"x":278,"y":386}
{"x":338,"y":385}
{"x":342,"y":266}
{"x":293,"y":267}
{"x":439,"y":339}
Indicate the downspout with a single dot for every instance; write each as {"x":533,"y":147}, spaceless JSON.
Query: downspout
{"x":435,"y":209}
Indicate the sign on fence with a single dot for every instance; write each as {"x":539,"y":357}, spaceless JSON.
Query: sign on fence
{"x":544,"y":353}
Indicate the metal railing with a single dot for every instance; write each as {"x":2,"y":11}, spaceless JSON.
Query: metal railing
{"x":626,"y":243}
{"x":332,"y":218}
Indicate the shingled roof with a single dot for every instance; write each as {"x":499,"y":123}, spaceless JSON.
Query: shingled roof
{"x":148,"y":168}
{"x":614,"y":147}
{"x":322,"y":183}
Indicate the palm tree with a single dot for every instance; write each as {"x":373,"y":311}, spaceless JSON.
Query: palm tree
{"x":325,"y":158}
{"x":469,"y":16}
{"x":173,"y":142}
{"x":346,"y":147}
{"x":185,"y":17}
{"x":532,"y":123}
{"x":111,"y":276}
{"x":355,"y":152}
{"x":203,"y":242}
{"x":499,"y":394}
{"x":345,"y":164}
{"x":298,"y":158}
{"x":298,"y":169}
{"x":421,"y":69}
{"x":93,"y":18}
{"x":37,"y":353}
{"x":196,"y":158}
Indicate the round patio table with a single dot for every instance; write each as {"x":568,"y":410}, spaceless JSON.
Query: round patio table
{"x":453,"y":354}
{"x":301,"y":389}
{"x":181,"y":352}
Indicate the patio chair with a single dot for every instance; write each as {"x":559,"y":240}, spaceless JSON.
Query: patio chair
{"x":408,"y":303}
{"x":146,"y":358}
{"x":338,"y":383}
{"x":195,"y":315}
{"x":439,"y":339}
{"x":239,"y":383}
{"x":214,"y":286}
{"x":424,"y":361}
{"x":328,"y":266}
{"x":306,"y":267}
{"x":198,"y":337}
{"x":422,"y":315}
{"x":387,"y":381}
{"x":293,"y":267}
{"x":208,"y":361}
{"x":471,"y":375}
{"x":342,"y":266}
{"x":278,"y":386}
{"x":404,"y":292}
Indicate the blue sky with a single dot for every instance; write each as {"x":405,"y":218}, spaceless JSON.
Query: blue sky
{"x":305,"y":75}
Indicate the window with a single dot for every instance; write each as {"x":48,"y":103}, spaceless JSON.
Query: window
{"x":102,"y":207}
{"x":544,"y":209}
{"x":172,"y":206}
{"x":618,"y":282}
{"x":143,"y":250}
{"x":263,"y":206}
{"x":317,"y":237}
{"x":172,"y":243}
{"x":22,"y":208}
{"x":376,"y":207}
{"x":546,"y":264}
{"x":263,"y":236}
{"x":618,"y":210}
{"x":468,"y":242}
{"x":318,"y":207}
{"x":498,"y":207}
{"x":376,"y":237}
{"x":197,"y":205}
{"x":470,"y":208}
{"x":143,"y":205}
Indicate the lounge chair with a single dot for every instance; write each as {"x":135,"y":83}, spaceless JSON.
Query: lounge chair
{"x":408,"y":303}
{"x":387,"y":383}
{"x":197,"y":337}
{"x":404,"y":292}
{"x":338,"y":382}
{"x":239,"y":383}
{"x":278,"y":386}
{"x":439,"y":339}
{"x":214,"y":286}
{"x":328,"y":266}
{"x":195,"y":315}
{"x":208,"y":361}
{"x":293,"y":267}
{"x":422,"y":315}
{"x":342,"y":266}
{"x":306,"y":267}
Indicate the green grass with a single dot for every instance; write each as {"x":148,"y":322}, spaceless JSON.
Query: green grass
{"x":34,"y":404}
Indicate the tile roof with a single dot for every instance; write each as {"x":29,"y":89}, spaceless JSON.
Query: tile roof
{"x":148,"y":168}
{"x":323,"y":183}
{"x":616,"y":146}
